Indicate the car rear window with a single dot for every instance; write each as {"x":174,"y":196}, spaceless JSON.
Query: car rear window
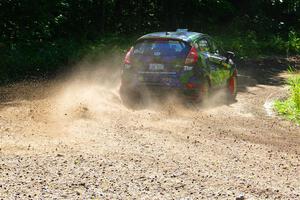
{"x":161,"y":48}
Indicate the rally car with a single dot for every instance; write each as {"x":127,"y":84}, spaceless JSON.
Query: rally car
{"x":187,"y":62}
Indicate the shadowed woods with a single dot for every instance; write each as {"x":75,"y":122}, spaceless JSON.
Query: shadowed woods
{"x":264,"y":71}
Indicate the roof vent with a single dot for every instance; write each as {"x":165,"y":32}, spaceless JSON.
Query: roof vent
{"x":182,"y":30}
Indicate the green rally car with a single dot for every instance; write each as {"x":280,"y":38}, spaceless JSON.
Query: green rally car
{"x":189,"y":63}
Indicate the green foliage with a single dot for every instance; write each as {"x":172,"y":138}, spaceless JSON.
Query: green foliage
{"x":290,"y":108}
{"x":249,"y":44}
{"x":294,"y":42}
{"x":291,"y":69}
{"x":38,"y":37}
{"x":42,"y":59}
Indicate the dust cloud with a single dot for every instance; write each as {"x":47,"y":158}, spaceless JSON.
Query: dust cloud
{"x":92,"y":89}
{"x":86,"y":101}
{"x":91,"y":92}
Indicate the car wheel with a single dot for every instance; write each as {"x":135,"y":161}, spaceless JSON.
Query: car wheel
{"x":130,"y":98}
{"x":204,"y":91}
{"x":232,"y":88}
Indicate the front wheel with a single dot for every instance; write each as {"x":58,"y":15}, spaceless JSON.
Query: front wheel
{"x":232,"y":88}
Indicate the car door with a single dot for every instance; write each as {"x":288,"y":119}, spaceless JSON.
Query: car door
{"x":220,"y":71}
{"x":210,"y":61}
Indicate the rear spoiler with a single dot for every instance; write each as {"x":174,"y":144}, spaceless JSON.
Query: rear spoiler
{"x":159,"y":38}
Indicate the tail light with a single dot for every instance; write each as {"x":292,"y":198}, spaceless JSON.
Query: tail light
{"x":191,"y":85}
{"x":127,"y":59}
{"x":192,"y":57}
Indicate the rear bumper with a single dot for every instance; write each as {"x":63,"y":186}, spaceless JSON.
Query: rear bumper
{"x":162,"y":83}
{"x":161,"y":91}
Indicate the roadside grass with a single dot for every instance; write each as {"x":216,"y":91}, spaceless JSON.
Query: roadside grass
{"x":290,"y":107}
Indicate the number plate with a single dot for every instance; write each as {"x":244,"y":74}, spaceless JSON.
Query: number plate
{"x":156,"y":67}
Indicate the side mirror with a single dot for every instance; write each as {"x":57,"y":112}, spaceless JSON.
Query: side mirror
{"x":229,"y":55}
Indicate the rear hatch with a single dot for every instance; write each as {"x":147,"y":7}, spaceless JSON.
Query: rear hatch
{"x":160,"y":61}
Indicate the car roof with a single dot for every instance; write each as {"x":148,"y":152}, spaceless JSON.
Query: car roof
{"x":178,"y":35}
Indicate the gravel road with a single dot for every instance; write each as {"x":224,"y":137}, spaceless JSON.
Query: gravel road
{"x":72,"y":138}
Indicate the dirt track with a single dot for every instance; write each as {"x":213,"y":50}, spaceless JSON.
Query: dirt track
{"x":73,"y":138}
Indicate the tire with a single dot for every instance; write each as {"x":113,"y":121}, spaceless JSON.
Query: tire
{"x":232,"y":88}
{"x":204,"y":91}
{"x":130,"y":98}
